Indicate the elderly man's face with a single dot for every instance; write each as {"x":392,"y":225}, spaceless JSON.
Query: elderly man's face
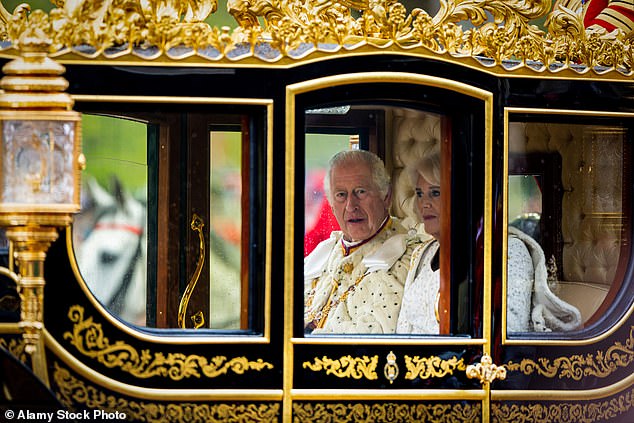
{"x":357,"y":203}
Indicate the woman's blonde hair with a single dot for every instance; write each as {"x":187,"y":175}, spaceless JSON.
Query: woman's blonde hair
{"x":428,"y":166}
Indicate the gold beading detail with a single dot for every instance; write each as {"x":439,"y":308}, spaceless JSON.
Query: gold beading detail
{"x":501,"y":33}
{"x":587,"y":412}
{"x":73,"y":392}
{"x":578,"y":366}
{"x":354,"y":367}
{"x":89,"y":339}
{"x":386,"y":412}
{"x":428,"y":367}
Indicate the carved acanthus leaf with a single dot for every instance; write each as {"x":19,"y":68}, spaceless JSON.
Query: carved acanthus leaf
{"x":502,"y":32}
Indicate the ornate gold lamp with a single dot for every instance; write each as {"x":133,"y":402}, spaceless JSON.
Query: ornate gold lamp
{"x":40,"y":166}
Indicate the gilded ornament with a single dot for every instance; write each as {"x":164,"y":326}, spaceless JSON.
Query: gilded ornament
{"x":75,"y":394}
{"x":390,"y":371}
{"x":15,"y":346}
{"x":486,"y":371}
{"x":354,"y":367}
{"x":576,"y":367}
{"x":386,"y":412}
{"x":498,"y":33}
{"x":88,"y":338}
{"x":613,"y":409}
{"x":428,"y":367}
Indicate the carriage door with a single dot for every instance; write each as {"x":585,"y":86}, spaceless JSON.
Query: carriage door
{"x":376,"y":372}
{"x":201,"y":330}
{"x":566,"y":254}
{"x":200,"y":212}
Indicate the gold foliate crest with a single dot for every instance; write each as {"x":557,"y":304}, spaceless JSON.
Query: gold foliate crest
{"x":346,"y":367}
{"x":430,"y":367}
{"x":604,"y":363}
{"x":491,"y":32}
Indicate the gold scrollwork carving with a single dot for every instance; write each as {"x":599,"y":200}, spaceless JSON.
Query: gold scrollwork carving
{"x":16,"y":347}
{"x":88,"y":337}
{"x":74,"y":393}
{"x":588,"y":412}
{"x":576,"y":367}
{"x":272,"y":30}
{"x":354,"y":367}
{"x":428,"y":367}
{"x":386,"y":412}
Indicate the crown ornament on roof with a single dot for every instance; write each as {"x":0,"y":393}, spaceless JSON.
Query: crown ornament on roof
{"x":491,"y":33}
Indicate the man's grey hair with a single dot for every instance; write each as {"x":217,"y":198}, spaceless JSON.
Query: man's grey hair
{"x":374,"y":162}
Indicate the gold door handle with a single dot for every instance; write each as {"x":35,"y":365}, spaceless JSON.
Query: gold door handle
{"x":198,"y":318}
{"x":485,"y":370}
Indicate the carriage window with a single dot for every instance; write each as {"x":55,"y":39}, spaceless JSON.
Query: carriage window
{"x":568,"y":212}
{"x":178,"y":244}
{"x":110,"y":234}
{"x":361,"y":231}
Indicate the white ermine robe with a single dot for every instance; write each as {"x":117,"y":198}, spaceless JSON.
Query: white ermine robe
{"x":357,"y":290}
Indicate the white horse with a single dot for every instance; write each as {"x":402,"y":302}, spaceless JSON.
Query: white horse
{"x":110,"y":239}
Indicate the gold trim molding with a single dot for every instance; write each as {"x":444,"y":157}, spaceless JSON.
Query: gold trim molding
{"x":347,"y":366}
{"x":73,"y":392}
{"x":587,"y":412}
{"x":497,"y":35}
{"x":602,"y":364}
{"x":428,"y":367}
{"x":386,"y":412}
{"x":89,"y":340}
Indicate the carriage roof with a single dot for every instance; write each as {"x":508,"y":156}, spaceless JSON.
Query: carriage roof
{"x":510,"y":38}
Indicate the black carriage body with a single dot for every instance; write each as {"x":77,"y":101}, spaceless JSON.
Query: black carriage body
{"x":268,"y":369}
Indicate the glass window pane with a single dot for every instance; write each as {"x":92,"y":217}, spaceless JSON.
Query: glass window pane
{"x":110,"y":233}
{"x":198,"y":260}
{"x":225,"y":227}
{"x":568,"y":214}
{"x":359,"y":242}
{"x":319,"y":221}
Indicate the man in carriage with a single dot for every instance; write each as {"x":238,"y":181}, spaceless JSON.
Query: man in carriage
{"x":353,"y":281}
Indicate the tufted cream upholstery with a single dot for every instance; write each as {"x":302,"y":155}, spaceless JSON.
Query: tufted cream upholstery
{"x":591,"y":205}
{"x":414,"y":133}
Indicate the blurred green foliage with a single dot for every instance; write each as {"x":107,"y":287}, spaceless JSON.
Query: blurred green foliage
{"x":321,"y":147}
{"x":10,"y":5}
{"x":115,"y":147}
{"x":524,"y":196}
